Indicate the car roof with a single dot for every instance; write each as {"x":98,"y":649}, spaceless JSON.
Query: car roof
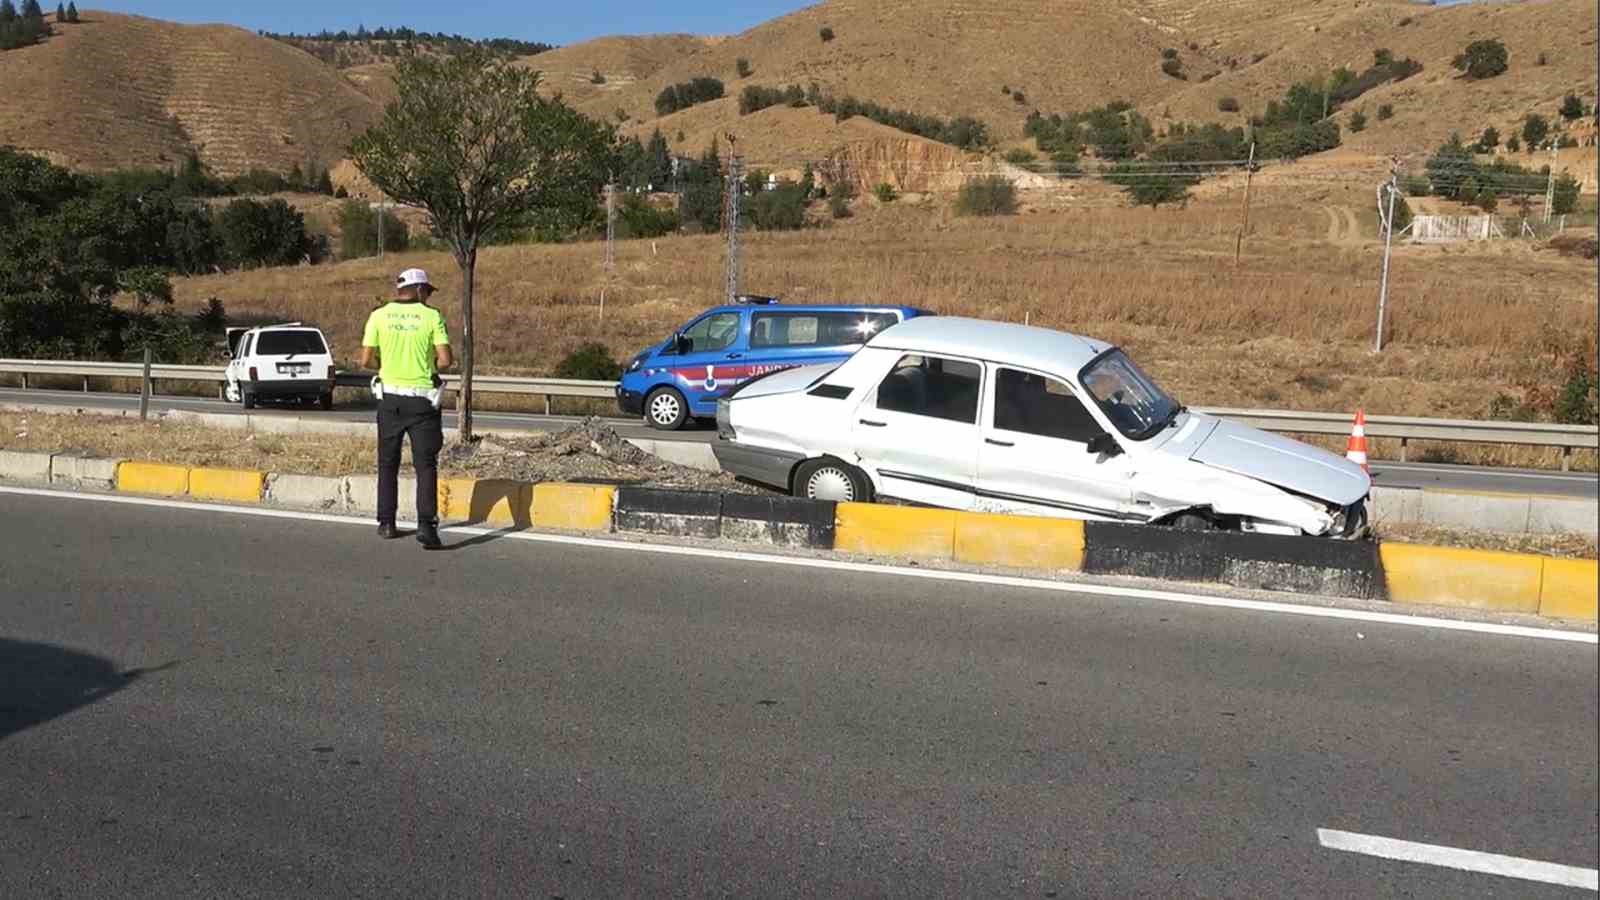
{"x":296,"y":326}
{"x":1004,"y":342}
{"x":814,"y":307}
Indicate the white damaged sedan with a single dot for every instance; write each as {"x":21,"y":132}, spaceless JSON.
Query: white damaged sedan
{"x":989,"y":416}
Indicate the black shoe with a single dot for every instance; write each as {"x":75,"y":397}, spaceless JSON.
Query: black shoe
{"x":428,"y":536}
{"x":387,"y":531}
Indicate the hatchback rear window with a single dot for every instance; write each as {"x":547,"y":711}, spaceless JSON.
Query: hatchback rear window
{"x":283,"y":343}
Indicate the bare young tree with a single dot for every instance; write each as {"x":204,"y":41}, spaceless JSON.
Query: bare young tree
{"x":471,"y":140}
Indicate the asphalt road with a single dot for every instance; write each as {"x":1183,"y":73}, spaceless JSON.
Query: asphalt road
{"x":206,"y":704}
{"x":1388,"y":474}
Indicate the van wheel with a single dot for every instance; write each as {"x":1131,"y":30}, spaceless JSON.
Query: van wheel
{"x":665,"y":409}
{"x":830,"y":479}
{"x":326,"y":400}
{"x":247,"y":399}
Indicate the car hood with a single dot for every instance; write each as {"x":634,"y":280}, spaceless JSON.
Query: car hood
{"x":795,"y":379}
{"x":1284,"y":463}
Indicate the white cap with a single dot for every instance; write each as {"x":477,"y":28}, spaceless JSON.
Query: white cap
{"x":412,"y":277}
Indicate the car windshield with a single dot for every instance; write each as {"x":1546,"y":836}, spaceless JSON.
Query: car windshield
{"x":284,"y":343}
{"x":1130,"y":399}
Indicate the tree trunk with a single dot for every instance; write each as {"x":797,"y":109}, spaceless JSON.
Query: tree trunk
{"x":468,"y":263}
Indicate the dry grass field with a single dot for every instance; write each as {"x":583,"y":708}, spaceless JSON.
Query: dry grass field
{"x":1289,"y":327}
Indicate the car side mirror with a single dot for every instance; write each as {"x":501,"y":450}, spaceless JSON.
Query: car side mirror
{"x":681,"y":343}
{"x":1104,"y":444}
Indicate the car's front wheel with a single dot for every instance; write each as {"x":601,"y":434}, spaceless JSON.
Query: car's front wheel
{"x":831,"y":479}
{"x":666,"y":409}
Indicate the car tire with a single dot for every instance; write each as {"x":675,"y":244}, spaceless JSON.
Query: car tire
{"x":247,"y":399}
{"x":831,"y":479}
{"x":665,"y":409}
{"x":326,"y":401}
{"x":1190,"y":522}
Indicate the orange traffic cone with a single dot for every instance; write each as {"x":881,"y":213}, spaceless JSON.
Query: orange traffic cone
{"x":1356,"y":450}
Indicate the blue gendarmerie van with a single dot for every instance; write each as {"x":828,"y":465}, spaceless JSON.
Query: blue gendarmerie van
{"x":682,"y":377}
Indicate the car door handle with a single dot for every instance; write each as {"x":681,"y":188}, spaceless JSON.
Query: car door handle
{"x":999,"y":443}
{"x":733,"y":356}
{"x":873,"y":424}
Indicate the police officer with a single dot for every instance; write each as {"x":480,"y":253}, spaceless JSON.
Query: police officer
{"x":407,"y":339}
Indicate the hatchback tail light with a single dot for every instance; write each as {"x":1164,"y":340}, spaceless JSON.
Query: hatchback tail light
{"x":253,"y":376}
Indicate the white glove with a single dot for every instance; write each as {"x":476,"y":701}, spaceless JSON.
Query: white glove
{"x":377,"y":388}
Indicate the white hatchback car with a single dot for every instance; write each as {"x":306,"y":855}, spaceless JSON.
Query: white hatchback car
{"x":279,"y":362}
{"x":969,"y":414}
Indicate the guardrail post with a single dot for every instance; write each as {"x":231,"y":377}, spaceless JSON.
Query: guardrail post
{"x":547,"y":404}
{"x":24,"y":380}
{"x":1403,"y":442}
{"x":144,"y":387}
{"x":1566,"y":459}
{"x":86,"y":384}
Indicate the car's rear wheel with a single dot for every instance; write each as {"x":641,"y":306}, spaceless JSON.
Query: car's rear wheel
{"x":247,"y":399}
{"x":1190,"y":522}
{"x":831,"y":479}
{"x":666,"y":409}
{"x":326,"y":400}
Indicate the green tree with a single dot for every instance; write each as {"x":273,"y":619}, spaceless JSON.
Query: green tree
{"x":1451,"y":169}
{"x":32,"y":10}
{"x":1482,"y":59}
{"x":987,"y":195}
{"x":700,"y":200}
{"x":325,"y":183}
{"x":1489,"y":140}
{"x":825,"y":33}
{"x":1513,"y":143}
{"x":264,"y":233}
{"x":470,"y":139}
{"x":1565,"y":199}
{"x":358,"y":231}
{"x":72,"y":13}
{"x":8,"y":12}
{"x":659,"y":158}
{"x":1534,"y":130}
{"x":1572,"y":107}
{"x":1151,"y":187}
{"x":61,"y":13}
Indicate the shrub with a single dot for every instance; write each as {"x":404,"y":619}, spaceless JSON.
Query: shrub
{"x":1572,"y":107}
{"x":1174,"y":68}
{"x":1358,"y":121}
{"x":1019,"y":97}
{"x":1404,"y":21}
{"x":1385,"y":112}
{"x":988,"y":195}
{"x":1020,"y":156}
{"x":1005,"y":89}
{"x":1169,"y":53}
{"x":1543,"y":60}
{"x":826,"y":34}
{"x":589,"y":362}
{"x":1482,"y":59}
{"x":1228,"y":104}
{"x":743,"y":66}
{"x":783,"y":208}
{"x":1414,"y":186}
{"x":1382,"y":56}
{"x":597,"y":78}
{"x":1489,"y":140}
{"x":1513,"y":143}
{"x":636,"y":218}
{"x":358,"y":231}
{"x":1566,"y":141}
{"x":839,"y":200}
{"x":755,"y":98}
{"x":1534,"y":130}
{"x":885,"y":192}
{"x":685,"y":94}
{"x":1565,"y":199}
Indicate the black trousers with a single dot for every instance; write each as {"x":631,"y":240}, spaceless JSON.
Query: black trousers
{"x":399,"y":417}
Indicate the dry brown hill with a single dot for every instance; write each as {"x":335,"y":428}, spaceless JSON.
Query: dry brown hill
{"x":119,"y":91}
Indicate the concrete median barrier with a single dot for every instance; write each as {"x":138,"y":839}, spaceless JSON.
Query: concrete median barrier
{"x":491,"y":501}
{"x":1019,"y":542}
{"x":153,"y":478}
{"x":1451,"y":576}
{"x":314,"y":492}
{"x":1570,"y":589}
{"x":573,"y":507}
{"x":665,"y":511}
{"x":25,"y":468}
{"x":881,"y":530}
{"x":783,"y":521}
{"x":228,"y":485}
{"x":84,"y":472}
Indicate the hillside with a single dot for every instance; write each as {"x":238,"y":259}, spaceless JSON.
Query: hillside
{"x":119,"y":91}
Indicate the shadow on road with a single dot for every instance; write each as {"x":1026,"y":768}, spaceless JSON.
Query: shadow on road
{"x":40,"y":682}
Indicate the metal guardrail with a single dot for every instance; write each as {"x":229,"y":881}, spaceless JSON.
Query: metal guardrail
{"x":1405,"y":429}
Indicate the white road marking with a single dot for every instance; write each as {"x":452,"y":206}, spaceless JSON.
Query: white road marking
{"x":1455,"y":858}
{"x":1065,"y":587}
{"x":1496,"y":473}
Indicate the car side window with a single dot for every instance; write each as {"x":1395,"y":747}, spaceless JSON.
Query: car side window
{"x":714,"y":332}
{"x":1035,"y":404}
{"x":932,"y":386}
{"x":828,"y":329}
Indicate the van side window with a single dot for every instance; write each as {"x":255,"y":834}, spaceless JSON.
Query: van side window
{"x":828,"y":329}
{"x":714,"y":332}
{"x":932,"y":386}
{"x":1034,"y":404}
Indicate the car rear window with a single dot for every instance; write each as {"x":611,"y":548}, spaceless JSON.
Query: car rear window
{"x":283,"y":343}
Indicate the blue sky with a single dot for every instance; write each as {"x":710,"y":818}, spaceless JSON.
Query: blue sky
{"x":555,"y":23}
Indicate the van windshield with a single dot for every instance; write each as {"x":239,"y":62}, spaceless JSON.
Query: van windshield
{"x":285,"y":343}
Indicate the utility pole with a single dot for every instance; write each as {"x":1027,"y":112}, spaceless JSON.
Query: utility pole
{"x":611,"y":240}
{"x":1249,"y":172}
{"x":380,"y":229}
{"x":1391,"y":187}
{"x":730,"y":219}
{"x":1550,"y":186}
